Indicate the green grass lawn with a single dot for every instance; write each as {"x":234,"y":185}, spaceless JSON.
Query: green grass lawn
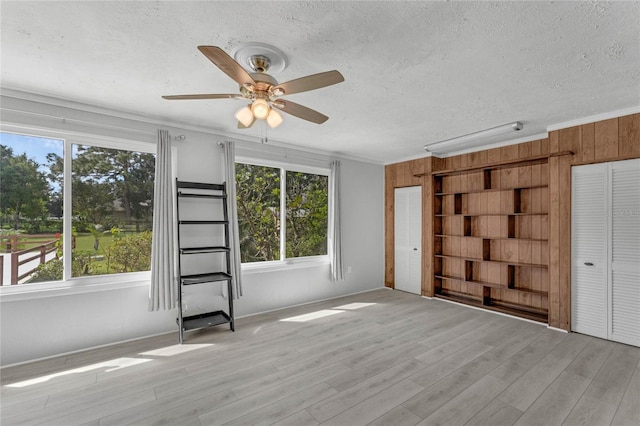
{"x":84,"y":242}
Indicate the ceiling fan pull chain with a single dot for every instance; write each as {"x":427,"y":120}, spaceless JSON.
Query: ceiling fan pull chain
{"x":263,"y":133}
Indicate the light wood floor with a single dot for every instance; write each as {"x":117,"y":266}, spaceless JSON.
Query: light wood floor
{"x":403,"y":360}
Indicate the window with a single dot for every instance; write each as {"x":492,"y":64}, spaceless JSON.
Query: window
{"x":282,"y":213}
{"x":99,"y":224}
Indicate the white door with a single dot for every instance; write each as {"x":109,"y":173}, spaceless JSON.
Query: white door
{"x":624,"y":291}
{"x":408,"y":239}
{"x":589,"y":250}
{"x":605,"y":299}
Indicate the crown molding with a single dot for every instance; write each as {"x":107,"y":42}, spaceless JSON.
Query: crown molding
{"x":593,"y":118}
{"x":168,"y":123}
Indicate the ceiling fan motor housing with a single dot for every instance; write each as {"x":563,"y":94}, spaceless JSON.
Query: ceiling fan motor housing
{"x":260,"y":63}
{"x":264,"y":82}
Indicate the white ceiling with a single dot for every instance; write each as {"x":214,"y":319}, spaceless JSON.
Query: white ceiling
{"x":415,"y":72}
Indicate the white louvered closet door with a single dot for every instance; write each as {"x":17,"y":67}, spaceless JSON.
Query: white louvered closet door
{"x":606,"y":251}
{"x":589,"y":289}
{"x":625,"y":252}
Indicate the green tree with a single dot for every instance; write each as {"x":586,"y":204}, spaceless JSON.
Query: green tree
{"x":56,"y":178}
{"x":258,"y":199}
{"x":24,"y":190}
{"x":93,"y":203}
{"x":131,"y":253}
{"x":125,"y":176}
{"x":307,"y":214}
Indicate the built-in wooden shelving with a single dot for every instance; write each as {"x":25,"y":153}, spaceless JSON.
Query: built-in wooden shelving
{"x":490,"y":231}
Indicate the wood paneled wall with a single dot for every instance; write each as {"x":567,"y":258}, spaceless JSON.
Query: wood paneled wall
{"x":608,"y":140}
{"x":602,"y":141}
{"x":399,"y":175}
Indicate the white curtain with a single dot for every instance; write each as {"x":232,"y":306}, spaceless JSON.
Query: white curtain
{"x":234,"y":232}
{"x":163,"y":291}
{"x":335,"y":230}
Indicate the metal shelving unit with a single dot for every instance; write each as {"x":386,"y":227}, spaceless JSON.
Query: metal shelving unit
{"x":205,"y":193}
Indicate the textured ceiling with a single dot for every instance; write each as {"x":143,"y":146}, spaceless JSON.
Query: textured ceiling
{"x":415,"y":72}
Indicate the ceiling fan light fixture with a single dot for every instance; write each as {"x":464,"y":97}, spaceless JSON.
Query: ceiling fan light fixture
{"x":274,"y":119}
{"x":260,"y":109}
{"x":244,"y":116}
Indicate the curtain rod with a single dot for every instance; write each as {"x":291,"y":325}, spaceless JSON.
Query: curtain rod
{"x":325,"y":157}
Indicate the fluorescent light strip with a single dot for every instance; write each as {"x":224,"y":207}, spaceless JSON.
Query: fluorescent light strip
{"x":472,"y":139}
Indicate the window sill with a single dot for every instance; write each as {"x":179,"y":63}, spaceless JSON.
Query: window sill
{"x":286,"y":265}
{"x":72,"y":287}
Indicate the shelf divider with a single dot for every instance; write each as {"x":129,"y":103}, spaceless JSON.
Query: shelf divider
{"x":466,"y":224}
{"x":457,"y":203}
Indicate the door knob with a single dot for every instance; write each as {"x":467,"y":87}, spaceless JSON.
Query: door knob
{"x":415,"y":249}
{"x":588,"y":263}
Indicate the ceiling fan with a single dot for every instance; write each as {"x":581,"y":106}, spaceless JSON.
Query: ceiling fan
{"x":263,"y":90}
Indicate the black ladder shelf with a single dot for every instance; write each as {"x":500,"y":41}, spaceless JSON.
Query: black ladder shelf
{"x":204,"y":192}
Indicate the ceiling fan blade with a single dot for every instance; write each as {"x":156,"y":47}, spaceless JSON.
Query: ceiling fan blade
{"x":204,"y":96}
{"x":300,"y":111}
{"x":310,"y":82}
{"x":226,"y":63}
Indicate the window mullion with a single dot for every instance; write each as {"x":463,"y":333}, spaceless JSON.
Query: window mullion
{"x":283,"y":214}
{"x":67,"y":227}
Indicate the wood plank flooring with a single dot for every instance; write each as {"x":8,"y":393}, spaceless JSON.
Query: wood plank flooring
{"x":381,"y":358}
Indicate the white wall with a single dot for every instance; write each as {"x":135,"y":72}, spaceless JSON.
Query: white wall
{"x":47,"y":323}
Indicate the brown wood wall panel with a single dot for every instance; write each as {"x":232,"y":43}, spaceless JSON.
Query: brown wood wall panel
{"x":587,"y":150}
{"x":401,"y":175}
{"x":629,"y":136}
{"x":428,"y":231}
{"x":607,"y":140}
{"x":389,"y":234}
{"x":554,"y":230}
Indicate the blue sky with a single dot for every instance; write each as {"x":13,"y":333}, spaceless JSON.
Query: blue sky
{"x":35,"y":147}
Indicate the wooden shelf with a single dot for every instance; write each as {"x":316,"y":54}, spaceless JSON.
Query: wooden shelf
{"x":493,"y":285}
{"x":459,"y":298}
{"x":515,"y":310}
{"x":491,"y":214}
{"x":520,"y":311}
{"x":540,"y":159}
{"x":491,"y":238}
{"x":503,"y":262}
{"x":479,"y":191}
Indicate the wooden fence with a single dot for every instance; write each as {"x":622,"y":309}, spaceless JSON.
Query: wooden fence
{"x":39,"y":246}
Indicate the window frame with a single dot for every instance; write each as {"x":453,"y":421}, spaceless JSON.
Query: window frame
{"x":284,"y":262}
{"x":89,"y":283}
